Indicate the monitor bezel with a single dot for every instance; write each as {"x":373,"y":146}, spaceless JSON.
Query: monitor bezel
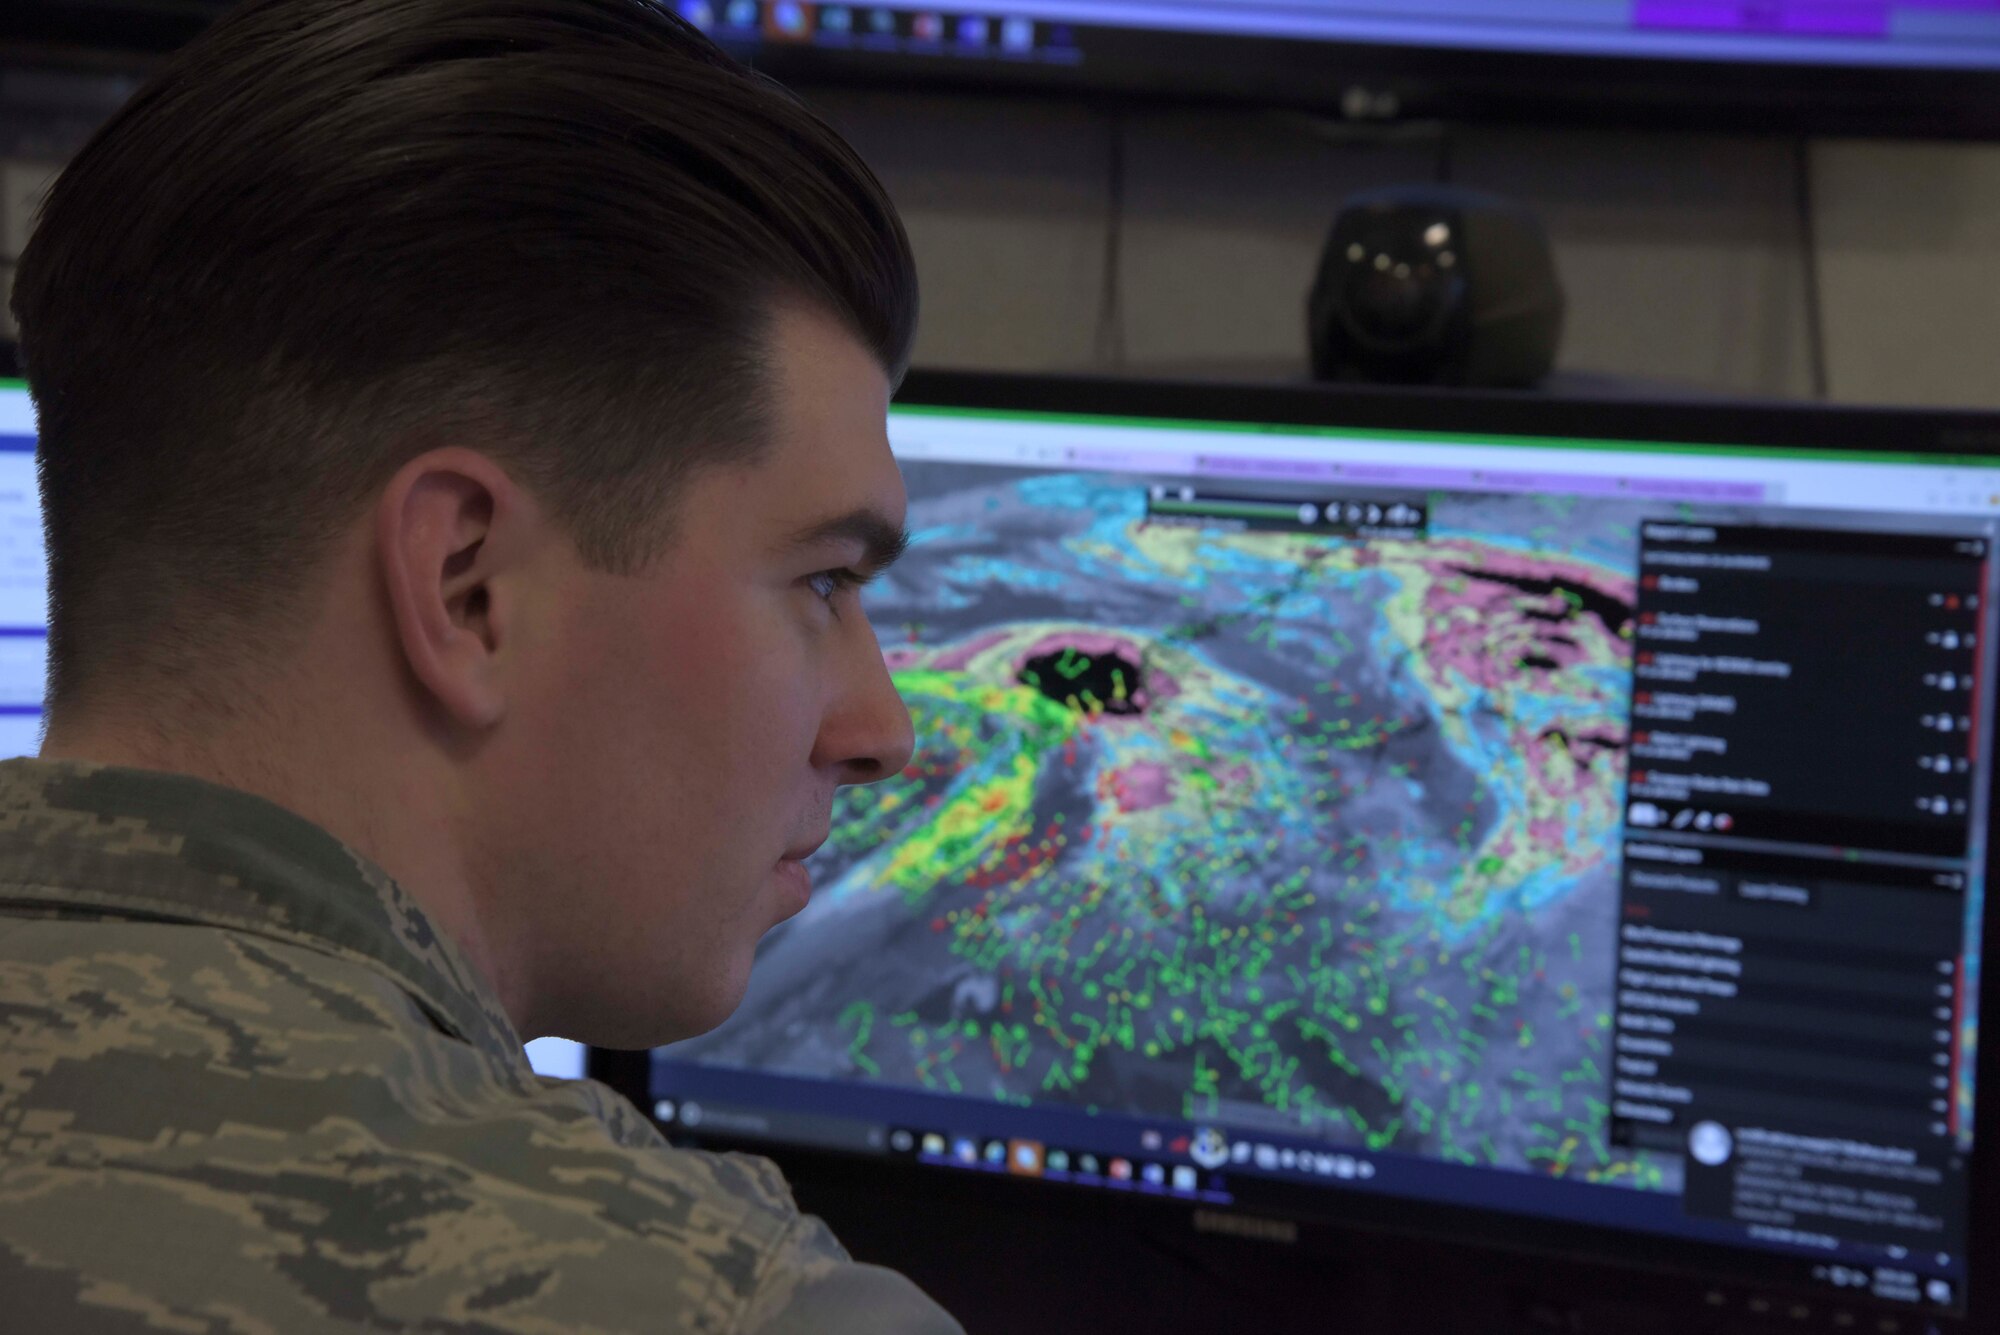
{"x":1365,"y":83}
{"x":1673,"y":1268}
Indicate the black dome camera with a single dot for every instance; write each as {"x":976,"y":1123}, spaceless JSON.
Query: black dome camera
{"x":1430,"y":285}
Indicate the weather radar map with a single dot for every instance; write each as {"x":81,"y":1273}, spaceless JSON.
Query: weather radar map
{"x":1212,"y":821}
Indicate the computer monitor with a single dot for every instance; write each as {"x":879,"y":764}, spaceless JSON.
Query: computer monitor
{"x":1923,"y":66}
{"x":1542,"y":824}
{"x":24,"y":618}
{"x":1828,"y":66}
{"x":1841,"y":33}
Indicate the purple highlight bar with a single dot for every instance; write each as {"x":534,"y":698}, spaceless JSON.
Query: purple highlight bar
{"x":1282,"y":470}
{"x":1825,"y":18}
{"x":1488,"y":480}
{"x":1129,"y":461}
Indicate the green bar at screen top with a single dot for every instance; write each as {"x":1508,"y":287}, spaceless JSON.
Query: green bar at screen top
{"x":1454,"y":438}
{"x":1433,"y":437}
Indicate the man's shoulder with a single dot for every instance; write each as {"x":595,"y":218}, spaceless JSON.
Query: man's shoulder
{"x":194,"y":1121}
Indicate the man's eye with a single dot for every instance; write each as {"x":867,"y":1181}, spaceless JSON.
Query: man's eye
{"x":830,"y":583}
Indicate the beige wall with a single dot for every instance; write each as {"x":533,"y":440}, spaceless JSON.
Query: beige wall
{"x":1683,"y":254}
{"x":1065,"y":235}
{"x":1909,"y":244}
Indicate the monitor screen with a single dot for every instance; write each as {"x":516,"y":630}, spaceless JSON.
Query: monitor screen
{"x":1954,"y":34}
{"x":1586,"y":830}
{"x":24,"y":635}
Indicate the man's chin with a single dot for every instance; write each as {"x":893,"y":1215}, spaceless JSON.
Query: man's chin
{"x":638,"y":1020}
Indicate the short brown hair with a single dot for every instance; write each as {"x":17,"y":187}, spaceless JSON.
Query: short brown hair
{"x":331,"y":228}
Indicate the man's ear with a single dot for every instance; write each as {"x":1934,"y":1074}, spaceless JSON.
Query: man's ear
{"x":448,"y":531}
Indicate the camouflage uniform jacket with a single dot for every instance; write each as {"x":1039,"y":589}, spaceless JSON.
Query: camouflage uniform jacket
{"x":246,"y":1087}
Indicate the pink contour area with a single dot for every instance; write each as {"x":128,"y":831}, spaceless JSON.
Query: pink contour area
{"x":1142,"y":786}
{"x":1467,"y":651}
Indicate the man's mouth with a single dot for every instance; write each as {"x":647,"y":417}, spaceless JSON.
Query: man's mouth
{"x":803,"y":851}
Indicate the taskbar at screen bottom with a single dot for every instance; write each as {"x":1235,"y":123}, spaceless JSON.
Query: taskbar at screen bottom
{"x":1291,"y":1177}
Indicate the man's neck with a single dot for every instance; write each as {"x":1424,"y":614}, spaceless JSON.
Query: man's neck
{"x":391,"y":818}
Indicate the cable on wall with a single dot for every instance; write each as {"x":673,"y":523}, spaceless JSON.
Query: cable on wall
{"x":1802,"y":178}
{"x":1109,"y":344}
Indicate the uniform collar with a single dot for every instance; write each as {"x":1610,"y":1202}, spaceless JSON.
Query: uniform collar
{"x":136,"y":843}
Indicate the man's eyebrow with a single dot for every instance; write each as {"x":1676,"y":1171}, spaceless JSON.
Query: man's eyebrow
{"x":883,"y":541}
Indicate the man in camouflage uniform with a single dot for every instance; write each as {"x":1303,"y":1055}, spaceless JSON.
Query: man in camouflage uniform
{"x":462,"y":437}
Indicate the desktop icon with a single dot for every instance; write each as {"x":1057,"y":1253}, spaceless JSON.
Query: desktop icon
{"x":1017,"y":36}
{"x":1153,"y":1175}
{"x":927,"y":27}
{"x":1121,"y":1170}
{"x":1267,"y":1157}
{"x":1240,"y":1152}
{"x":698,"y":13}
{"x":974,"y":31}
{"x":741,"y":14}
{"x":934,"y":1145}
{"x":882,"y":22}
{"x":901,"y":1141}
{"x":1025,"y":1158}
{"x":665,"y":1110}
{"x":788,"y":21}
{"x":1209,"y":1148}
{"x":836,"y":19}
{"x":1185,"y":1178}
{"x":965,"y":1149}
{"x":1088,"y":1165}
{"x":995,"y":1153}
{"x":1058,"y":1161}
{"x":1150,"y":1141}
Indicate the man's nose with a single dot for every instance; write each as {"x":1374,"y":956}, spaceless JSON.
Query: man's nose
{"x":867,"y":736}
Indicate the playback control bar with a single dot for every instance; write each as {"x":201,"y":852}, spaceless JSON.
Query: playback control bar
{"x":1321,"y":515}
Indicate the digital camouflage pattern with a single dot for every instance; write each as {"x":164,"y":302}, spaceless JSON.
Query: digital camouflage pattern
{"x":245,"y":1086}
